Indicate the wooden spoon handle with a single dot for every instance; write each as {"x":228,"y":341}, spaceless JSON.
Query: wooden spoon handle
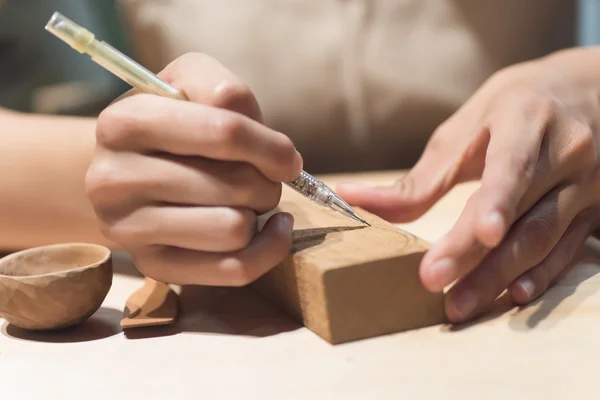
{"x":153,"y":304}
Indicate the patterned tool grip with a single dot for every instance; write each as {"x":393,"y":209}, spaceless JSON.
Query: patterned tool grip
{"x":305,"y":185}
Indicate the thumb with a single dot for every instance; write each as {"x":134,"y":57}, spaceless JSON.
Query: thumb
{"x":438,"y":170}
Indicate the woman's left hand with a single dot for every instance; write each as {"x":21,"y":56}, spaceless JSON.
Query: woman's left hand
{"x":530,"y":134}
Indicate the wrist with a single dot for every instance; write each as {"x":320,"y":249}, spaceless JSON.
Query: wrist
{"x":572,"y":76}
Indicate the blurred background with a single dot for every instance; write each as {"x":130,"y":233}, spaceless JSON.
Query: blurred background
{"x":40,"y":73}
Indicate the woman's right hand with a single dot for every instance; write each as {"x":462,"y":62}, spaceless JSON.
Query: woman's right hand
{"x":179,"y":184}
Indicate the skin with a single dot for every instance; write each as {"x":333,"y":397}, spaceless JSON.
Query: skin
{"x":530,"y":134}
{"x":44,"y":161}
{"x":179,"y":185}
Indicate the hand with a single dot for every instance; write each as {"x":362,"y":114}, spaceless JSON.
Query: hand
{"x":530,"y":135}
{"x":180,"y":184}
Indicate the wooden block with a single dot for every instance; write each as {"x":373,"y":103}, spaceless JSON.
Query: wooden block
{"x":345,"y":281}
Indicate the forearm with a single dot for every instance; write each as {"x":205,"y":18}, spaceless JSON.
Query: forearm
{"x":43,"y":161}
{"x":578,"y":63}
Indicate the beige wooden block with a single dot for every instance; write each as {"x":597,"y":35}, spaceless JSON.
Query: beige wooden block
{"x":346,"y":281}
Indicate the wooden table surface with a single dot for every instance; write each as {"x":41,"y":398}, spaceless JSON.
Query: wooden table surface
{"x":230,"y":343}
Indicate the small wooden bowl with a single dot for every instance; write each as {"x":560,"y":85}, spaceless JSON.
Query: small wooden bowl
{"x":54,"y":287}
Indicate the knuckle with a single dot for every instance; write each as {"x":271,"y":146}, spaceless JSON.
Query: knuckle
{"x":161,"y":263}
{"x":252,"y":188}
{"x":538,"y":104}
{"x":115,"y":232}
{"x":121,"y":123}
{"x":582,"y":145}
{"x":536,"y":240}
{"x":239,"y":273}
{"x":108,"y":183}
{"x":239,"y":226}
{"x":245,"y":179}
{"x":242,"y":272}
{"x":437,"y":140}
{"x":493,"y":278}
{"x":100,"y":177}
{"x":229,"y":129}
{"x":150,"y":267}
{"x":108,"y":133}
{"x":284,"y":152}
{"x":542,"y":278}
{"x":191,"y":57}
{"x":152,"y":271}
{"x":405,"y":185}
{"x":273,"y":197}
{"x":114,"y":125}
{"x":190,"y":60}
{"x":126,"y":233}
{"x":232,"y":93}
{"x":285,"y":147}
{"x":523,"y":163}
{"x":533,"y":104}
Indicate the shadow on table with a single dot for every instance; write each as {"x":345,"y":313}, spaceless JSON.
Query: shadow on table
{"x":225,"y":311}
{"x":103,"y":324}
{"x":563,"y":299}
{"x":216,"y":310}
{"x":555,"y":304}
{"x":502,"y":305}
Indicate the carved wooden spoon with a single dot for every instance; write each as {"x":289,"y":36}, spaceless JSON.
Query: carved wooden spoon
{"x":153,"y":304}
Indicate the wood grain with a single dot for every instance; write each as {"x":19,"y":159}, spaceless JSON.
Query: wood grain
{"x":346,"y":281}
{"x":54,"y":287}
{"x":230,"y":344}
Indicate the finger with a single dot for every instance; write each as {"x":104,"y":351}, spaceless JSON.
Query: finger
{"x":511,"y":160}
{"x":566,"y":151}
{"x":442,"y":165}
{"x":193,"y":181}
{"x":205,"y":80}
{"x":185,"y":267}
{"x":147,"y":123}
{"x":462,"y":249}
{"x":455,"y":254}
{"x":535,"y":145}
{"x":210,"y":229}
{"x":533,"y":283}
{"x":527,"y":244}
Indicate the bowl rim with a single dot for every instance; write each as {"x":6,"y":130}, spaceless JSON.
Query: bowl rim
{"x":101,"y":261}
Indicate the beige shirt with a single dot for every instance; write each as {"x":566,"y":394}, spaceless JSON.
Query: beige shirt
{"x":357,"y":84}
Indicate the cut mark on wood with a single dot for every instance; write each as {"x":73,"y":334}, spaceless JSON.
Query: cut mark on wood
{"x":348,"y":282}
{"x":306,"y":238}
{"x":397,"y":230}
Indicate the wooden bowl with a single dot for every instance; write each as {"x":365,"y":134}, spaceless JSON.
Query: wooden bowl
{"x":54,"y":287}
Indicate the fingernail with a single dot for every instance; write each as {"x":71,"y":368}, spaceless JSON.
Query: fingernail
{"x":464,"y":303}
{"x":287,"y":221}
{"x":527,"y":286}
{"x":443,"y":272}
